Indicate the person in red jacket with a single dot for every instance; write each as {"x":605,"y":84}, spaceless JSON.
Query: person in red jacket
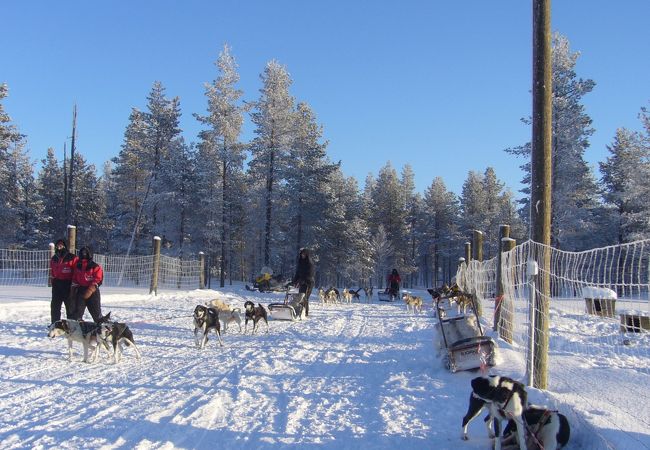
{"x":61,"y":267}
{"x":393,"y":283}
{"x":87,"y":277}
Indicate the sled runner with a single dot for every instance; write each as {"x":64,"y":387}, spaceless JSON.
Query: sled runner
{"x":461,"y":336}
{"x":291,"y":309}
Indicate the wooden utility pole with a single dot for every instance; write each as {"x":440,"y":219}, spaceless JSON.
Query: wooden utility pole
{"x":540,"y":198}
{"x":70,"y":212}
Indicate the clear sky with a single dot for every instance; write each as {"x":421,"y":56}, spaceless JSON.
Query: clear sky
{"x":440,"y":85}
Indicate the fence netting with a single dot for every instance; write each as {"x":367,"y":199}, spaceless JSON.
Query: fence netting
{"x":31,"y":268}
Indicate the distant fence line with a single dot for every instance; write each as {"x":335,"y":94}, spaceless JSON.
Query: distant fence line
{"x":32,"y":268}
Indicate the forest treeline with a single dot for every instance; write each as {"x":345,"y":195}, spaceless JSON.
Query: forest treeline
{"x":256,"y":203}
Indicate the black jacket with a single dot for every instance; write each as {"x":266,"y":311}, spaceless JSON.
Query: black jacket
{"x":305,"y":271}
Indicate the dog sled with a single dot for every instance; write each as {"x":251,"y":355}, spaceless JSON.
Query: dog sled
{"x":461,"y":335}
{"x":291,"y":309}
{"x":388,"y":296}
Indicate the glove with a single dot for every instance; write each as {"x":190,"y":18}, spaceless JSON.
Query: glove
{"x":73,"y":292}
{"x":90,"y":290}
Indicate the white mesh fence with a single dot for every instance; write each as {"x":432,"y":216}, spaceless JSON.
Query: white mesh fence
{"x":31,"y":268}
{"x":24,"y":267}
{"x":599,"y":324}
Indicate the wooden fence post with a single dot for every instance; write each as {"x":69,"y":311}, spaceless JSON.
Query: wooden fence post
{"x":505,"y":318}
{"x":468,"y":252}
{"x":49,"y":270}
{"x":201,"y":270}
{"x":72,"y":239}
{"x":156,"y":265}
{"x":504,"y":232}
{"x":477,"y":254}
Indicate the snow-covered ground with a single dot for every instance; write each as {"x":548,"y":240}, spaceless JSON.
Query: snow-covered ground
{"x":350,"y":376}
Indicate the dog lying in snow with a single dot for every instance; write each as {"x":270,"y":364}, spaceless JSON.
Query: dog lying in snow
{"x":119,"y":335}
{"x":227,"y":314}
{"x":545,"y":430}
{"x":255,"y":313}
{"x":86,"y":333}
{"x":505,"y":399}
{"x":205,"y":319}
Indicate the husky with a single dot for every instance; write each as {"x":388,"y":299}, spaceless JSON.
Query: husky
{"x":255,"y":313}
{"x":118,"y":335}
{"x":86,"y":333}
{"x":544,"y":427}
{"x":505,"y":399}
{"x":413,"y":302}
{"x":205,"y":319}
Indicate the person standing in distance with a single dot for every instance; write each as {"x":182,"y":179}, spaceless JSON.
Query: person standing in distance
{"x":304,"y":277}
{"x":62,"y":266}
{"x":88,"y":276}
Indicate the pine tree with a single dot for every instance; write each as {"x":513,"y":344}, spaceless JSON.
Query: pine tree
{"x":51,"y":190}
{"x":307,"y":172}
{"x":574,"y":203}
{"x":273,"y":118}
{"x":220,"y":142}
{"x":440,"y":231}
{"x":130,"y":184}
{"x":11,"y":141}
{"x":626,"y":177}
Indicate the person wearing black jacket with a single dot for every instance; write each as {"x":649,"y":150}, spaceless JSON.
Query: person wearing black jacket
{"x":304,"y":277}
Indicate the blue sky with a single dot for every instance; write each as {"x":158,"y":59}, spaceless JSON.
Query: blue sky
{"x":437,"y":85}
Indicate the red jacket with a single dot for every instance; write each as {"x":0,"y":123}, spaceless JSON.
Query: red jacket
{"x":87,"y":272}
{"x":62,"y":267}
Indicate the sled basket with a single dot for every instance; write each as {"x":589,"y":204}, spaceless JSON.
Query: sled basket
{"x":471,"y":353}
{"x":387,"y":296}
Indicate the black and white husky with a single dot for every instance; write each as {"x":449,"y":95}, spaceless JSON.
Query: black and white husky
{"x":86,"y":333}
{"x":118,"y":335}
{"x":205,"y":319}
{"x":545,"y":429}
{"x":505,"y":399}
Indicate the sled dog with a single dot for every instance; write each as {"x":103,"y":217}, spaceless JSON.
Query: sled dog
{"x":544,"y":427}
{"x":86,"y":333}
{"x":118,"y":335}
{"x":205,"y":319}
{"x":504,"y":398}
{"x":255,"y":313}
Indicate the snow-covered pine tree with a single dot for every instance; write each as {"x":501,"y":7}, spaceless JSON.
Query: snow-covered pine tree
{"x":89,"y":205}
{"x":131,"y":179}
{"x":440,"y":241}
{"x":178,"y":194}
{"x":626,"y":180}
{"x":273,"y":117}
{"x":23,"y":200}
{"x":10,"y":141}
{"x":307,"y":172}
{"x":389,"y":210}
{"x":574,"y":204}
{"x":50,"y":184}
{"x":473,"y":204}
{"x":162,"y":132}
{"x":220,"y":142}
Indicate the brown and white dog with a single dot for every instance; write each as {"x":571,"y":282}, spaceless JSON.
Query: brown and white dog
{"x":227,"y":314}
{"x":505,"y":399}
{"x":413,"y":302}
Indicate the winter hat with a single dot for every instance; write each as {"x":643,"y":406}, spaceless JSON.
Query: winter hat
{"x":86,"y":250}
{"x":61,"y":241}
